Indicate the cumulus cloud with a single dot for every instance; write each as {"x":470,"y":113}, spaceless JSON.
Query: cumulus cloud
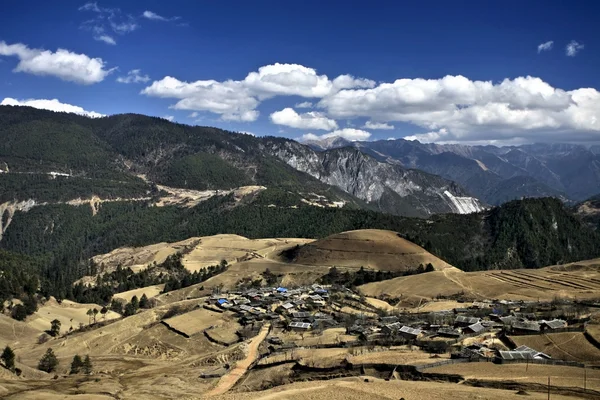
{"x":134,"y":76}
{"x":573,"y":48}
{"x":155,"y":17}
{"x":63,"y":64}
{"x":310,"y":120}
{"x":346,"y":133}
{"x":378,"y":125}
{"x":193,"y":115}
{"x":304,"y":104}
{"x":169,"y":118}
{"x":238,"y":100}
{"x":474,"y":110}
{"x":52,"y":105}
{"x":547,"y":46}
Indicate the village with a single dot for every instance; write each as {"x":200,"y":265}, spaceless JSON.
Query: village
{"x":333,"y":317}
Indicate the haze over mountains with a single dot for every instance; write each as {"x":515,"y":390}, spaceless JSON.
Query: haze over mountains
{"x":494,"y":174}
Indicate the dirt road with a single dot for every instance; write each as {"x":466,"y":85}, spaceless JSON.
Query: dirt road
{"x":227,"y":381}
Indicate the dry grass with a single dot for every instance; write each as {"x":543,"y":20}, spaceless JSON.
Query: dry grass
{"x":197,"y":321}
{"x":357,"y":389}
{"x":532,"y":373}
{"x":149,"y":291}
{"x":397,"y":356}
{"x":369,"y":248}
{"x":572,"y":346}
{"x":580,"y":280}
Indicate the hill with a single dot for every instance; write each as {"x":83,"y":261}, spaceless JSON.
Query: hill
{"x":369,"y":248}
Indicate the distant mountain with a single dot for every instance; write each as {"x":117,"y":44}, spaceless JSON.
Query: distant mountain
{"x":387,"y":187}
{"x":569,"y":172}
{"x":127,"y":156}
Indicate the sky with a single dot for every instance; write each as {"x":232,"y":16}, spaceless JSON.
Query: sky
{"x":436,"y":71}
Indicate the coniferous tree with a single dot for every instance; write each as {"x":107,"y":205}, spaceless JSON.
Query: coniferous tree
{"x":76,"y":364}
{"x":48,"y":362}
{"x":144,"y":301}
{"x":55,"y":327}
{"x":86,"y":368}
{"x":8,"y":357}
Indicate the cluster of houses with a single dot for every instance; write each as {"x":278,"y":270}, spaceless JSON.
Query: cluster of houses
{"x":308,"y":308}
{"x":299,"y":305}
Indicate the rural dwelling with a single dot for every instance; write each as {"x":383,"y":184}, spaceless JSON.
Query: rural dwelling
{"x":522,"y":353}
{"x":525,"y":327}
{"x":554,"y":324}
{"x":281,"y":290}
{"x":448,"y":332}
{"x":474,"y":328}
{"x":409,"y":333}
{"x":464,"y":321}
{"x":299,"y":326}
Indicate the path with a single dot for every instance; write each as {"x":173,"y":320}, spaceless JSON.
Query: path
{"x":227,"y":381}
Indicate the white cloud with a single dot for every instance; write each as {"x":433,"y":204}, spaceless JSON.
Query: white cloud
{"x":238,"y":100}
{"x":63,"y":64}
{"x":106,"y":20}
{"x":169,"y":118}
{"x":193,"y":115}
{"x":106,"y":39}
{"x":346,"y":133}
{"x":573,"y":48}
{"x":248,"y":133}
{"x":547,"y":46}
{"x":155,"y":17}
{"x":134,"y":76}
{"x":475,"y":110}
{"x":305,"y":104}
{"x":52,"y":105}
{"x":311,"y":120}
{"x":378,"y":125}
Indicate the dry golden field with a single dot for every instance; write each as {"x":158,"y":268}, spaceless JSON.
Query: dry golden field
{"x":572,"y":346}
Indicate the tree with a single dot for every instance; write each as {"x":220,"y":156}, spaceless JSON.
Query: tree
{"x":103,"y":311}
{"x":135,"y":303}
{"x":144,"y":301}
{"x":89,"y":313}
{"x":8,"y":357}
{"x":19,"y":312}
{"x":76,"y":364}
{"x":95,"y":313}
{"x":48,"y":362}
{"x":128,"y":310}
{"x":116,"y":306}
{"x":55,"y":327}
{"x":87,"y":365}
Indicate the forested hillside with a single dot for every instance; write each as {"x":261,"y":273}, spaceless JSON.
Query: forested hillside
{"x":528,"y":233}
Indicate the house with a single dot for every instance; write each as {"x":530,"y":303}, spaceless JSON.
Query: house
{"x":281,"y":290}
{"x":551,"y":325}
{"x":409,"y":333}
{"x":474,"y":328}
{"x":525,"y":327}
{"x":447,"y":332}
{"x":523,"y":353}
{"x":302,"y":326}
{"x":465,"y":321}
{"x":301,"y":315}
{"x":287,"y":306}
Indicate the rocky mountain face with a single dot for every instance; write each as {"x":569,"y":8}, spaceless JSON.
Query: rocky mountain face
{"x":132,"y":156}
{"x":388,"y":187}
{"x":497,"y":174}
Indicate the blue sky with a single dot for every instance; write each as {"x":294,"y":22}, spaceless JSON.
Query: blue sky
{"x":462,"y":71}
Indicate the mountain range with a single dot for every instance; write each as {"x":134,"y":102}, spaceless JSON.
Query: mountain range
{"x":493,"y":174}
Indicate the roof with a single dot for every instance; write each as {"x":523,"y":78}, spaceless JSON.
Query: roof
{"x":523,"y":353}
{"x":303,"y":314}
{"x":287,"y":306}
{"x":301,"y":325}
{"x":222,"y":301}
{"x":526,"y":325}
{"x":281,"y":289}
{"x":477,"y":327}
{"x":466,"y":320}
{"x":555,"y":324}
{"x":410,"y":331}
